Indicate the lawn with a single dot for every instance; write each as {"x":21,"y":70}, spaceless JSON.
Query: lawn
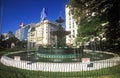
{"x":10,"y":72}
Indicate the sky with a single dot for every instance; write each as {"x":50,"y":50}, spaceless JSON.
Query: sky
{"x":14,"y":12}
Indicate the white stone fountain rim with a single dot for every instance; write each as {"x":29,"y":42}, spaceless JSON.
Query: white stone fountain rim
{"x":61,"y":67}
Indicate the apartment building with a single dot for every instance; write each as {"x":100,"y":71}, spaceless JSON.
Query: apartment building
{"x":71,"y":26}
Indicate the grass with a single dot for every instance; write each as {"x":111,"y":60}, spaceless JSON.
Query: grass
{"x":11,"y":72}
{"x":113,"y":72}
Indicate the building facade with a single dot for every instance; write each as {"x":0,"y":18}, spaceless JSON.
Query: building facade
{"x":17,"y":34}
{"x":71,"y":26}
{"x":22,"y":32}
{"x":40,"y":34}
{"x":31,"y":37}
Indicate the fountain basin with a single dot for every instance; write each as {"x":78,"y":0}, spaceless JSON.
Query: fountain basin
{"x":60,"y":56}
{"x":61,"y":53}
{"x":63,"y":66}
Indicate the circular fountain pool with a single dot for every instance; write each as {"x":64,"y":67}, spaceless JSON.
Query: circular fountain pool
{"x":27,"y":61}
{"x":60,"y":57}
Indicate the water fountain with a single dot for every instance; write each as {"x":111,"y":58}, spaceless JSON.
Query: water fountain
{"x":60,"y":52}
{"x":60,"y":58}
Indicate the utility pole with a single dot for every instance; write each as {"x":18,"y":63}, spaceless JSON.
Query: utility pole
{"x":1,"y":14}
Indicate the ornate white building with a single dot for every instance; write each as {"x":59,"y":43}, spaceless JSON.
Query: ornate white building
{"x":45,"y":28}
{"x":70,"y":26}
{"x":39,"y":35}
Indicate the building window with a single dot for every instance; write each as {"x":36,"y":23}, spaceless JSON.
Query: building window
{"x":69,"y":13}
{"x":73,"y":26}
{"x":73,"y":31}
{"x":69,"y":36}
{"x":73,"y":36}
{"x":69,"y":18}
{"x":69,"y":26}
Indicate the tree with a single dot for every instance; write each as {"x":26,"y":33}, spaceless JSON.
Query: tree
{"x":10,"y":39}
{"x":89,"y":22}
{"x":111,"y":10}
{"x":113,"y":30}
{"x":105,"y":10}
{"x":1,"y":42}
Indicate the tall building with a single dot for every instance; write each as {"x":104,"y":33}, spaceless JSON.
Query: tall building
{"x":22,"y":32}
{"x":70,"y":26}
{"x":31,"y":37}
{"x":43,"y":32}
{"x":17,"y":34}
{"x":40,"y":35}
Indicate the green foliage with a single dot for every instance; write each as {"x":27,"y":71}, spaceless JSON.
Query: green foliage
{"x":105,"y":11}
{"x":113,"y":30}
{"x":77,"y":3}
{"x":89,"y":25}
{"x":78,"y":9}
{"x":90,"y":28}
